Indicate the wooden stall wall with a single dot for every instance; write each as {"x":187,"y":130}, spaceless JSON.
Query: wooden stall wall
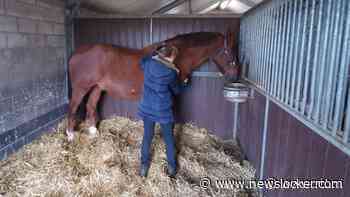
{"x":250,"y":128}
{"x":294,"y":151}
{"x":202,"y":103}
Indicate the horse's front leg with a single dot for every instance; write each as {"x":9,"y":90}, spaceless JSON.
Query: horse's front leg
{"x":91,"y":111}
{"x":77,"y":96}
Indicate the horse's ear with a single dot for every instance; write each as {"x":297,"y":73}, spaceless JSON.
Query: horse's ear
{"x":230,"y":36}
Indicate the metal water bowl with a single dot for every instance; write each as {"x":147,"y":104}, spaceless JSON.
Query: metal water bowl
{"x":236,"y":92}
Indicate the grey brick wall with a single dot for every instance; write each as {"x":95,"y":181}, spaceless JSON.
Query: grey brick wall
{"x":32,"y":62}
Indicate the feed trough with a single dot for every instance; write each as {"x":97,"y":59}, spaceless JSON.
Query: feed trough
{"x":236,"y":92}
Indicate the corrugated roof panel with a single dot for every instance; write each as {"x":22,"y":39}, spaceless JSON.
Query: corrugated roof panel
{"x":147,"y":7}
{"x":236,"y":6}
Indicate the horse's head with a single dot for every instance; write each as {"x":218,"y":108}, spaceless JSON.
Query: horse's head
{"x":196,"y":48}
{"x":226,"y":57}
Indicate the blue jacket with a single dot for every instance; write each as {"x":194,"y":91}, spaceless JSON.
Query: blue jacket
{"x":160,"y":84}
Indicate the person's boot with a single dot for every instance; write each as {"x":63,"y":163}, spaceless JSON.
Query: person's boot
{"x":171,"y":171}
{"x":144,"y":170}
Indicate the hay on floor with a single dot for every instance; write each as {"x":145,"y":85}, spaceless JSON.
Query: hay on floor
{"x":108,"y":165}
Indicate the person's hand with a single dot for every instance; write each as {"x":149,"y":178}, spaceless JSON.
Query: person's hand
{"x":186,"y":81}
{"x":184,"y":84}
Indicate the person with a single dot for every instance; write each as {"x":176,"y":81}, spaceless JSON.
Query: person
{"x":160,"y":84}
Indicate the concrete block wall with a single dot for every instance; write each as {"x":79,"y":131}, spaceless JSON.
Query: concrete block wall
{"x":33,"y":80}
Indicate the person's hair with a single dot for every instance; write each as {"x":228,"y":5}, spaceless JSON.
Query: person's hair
{"x":167,"y":51}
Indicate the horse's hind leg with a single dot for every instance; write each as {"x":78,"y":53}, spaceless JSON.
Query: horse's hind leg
{"x":77,"y":97}
{"x":91,"y":110}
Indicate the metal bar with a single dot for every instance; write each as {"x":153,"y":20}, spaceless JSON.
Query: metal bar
{"x":241,"y":44}
{"x":207,"y":74}
{"x":256,"y":29}
{"x":258,"y":48}
{"x":332,"y":69}
{"x":308,"y":58}
{"x":296,"y":62}
{"x":264,"y":140}
{"x":209,"y":7}
{"x":235,"y":121}
{"x":268,"y":47}
{"x":343,"y":73}
{"x":280,"y":45}
{"x":246,"y":45}
{"x":274,"y":44}
{"x":261,"y":48}
{"x":249,"y":69}
{"x":248,"y":57}
{"x":336,"y":141}
{"x":248,"y":3}
{"x":346,"y":135}
{"x":251,"y":41}
{"x":276,"y":52}
{"x":303,"y":42}
{"x":169,"y":6}
{"x":323,"y":64}
{"x":265,"y":47}
{"x":291,"y":50}
{"x":316,"y":62}
{"x":271,"y":49}
{"x":257,"y":66}
{"x":125,"y":16}
{"x":283,"y":52}
{"x":255,"y":48}
{"x":243,"y":49}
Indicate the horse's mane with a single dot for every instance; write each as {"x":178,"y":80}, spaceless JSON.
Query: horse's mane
{"x":195,"y":39}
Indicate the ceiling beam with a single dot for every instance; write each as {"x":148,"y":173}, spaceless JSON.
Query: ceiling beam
{"x":248,"y":3}
{"x":169,"y":6}
{"x":123,"y":16}
{"x":208,"y":7}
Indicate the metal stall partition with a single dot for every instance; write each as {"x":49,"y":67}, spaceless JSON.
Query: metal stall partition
{"x":202,"y":103}
{"x":296,"y":54}
{"x":300,"y":57}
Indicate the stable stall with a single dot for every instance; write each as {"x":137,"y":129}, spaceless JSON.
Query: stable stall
{"x":281,"y":130}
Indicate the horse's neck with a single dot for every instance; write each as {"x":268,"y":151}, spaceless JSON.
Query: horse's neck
{"x":150,"y":48}
{"x":205,"y":56}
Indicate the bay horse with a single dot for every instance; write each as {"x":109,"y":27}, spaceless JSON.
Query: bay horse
{"x":116,"y":70}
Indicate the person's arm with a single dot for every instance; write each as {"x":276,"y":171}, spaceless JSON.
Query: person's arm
{"x":177,"y":87}
{"x":144,"y":62}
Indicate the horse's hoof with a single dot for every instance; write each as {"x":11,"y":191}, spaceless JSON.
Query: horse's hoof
{"x":70,"y":136}
{"x":92,"y":132}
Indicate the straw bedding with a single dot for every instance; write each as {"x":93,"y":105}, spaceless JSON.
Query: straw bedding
{"x":108,"y":165}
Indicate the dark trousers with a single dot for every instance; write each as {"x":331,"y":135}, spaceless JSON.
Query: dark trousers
{"x":167,"y":134}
